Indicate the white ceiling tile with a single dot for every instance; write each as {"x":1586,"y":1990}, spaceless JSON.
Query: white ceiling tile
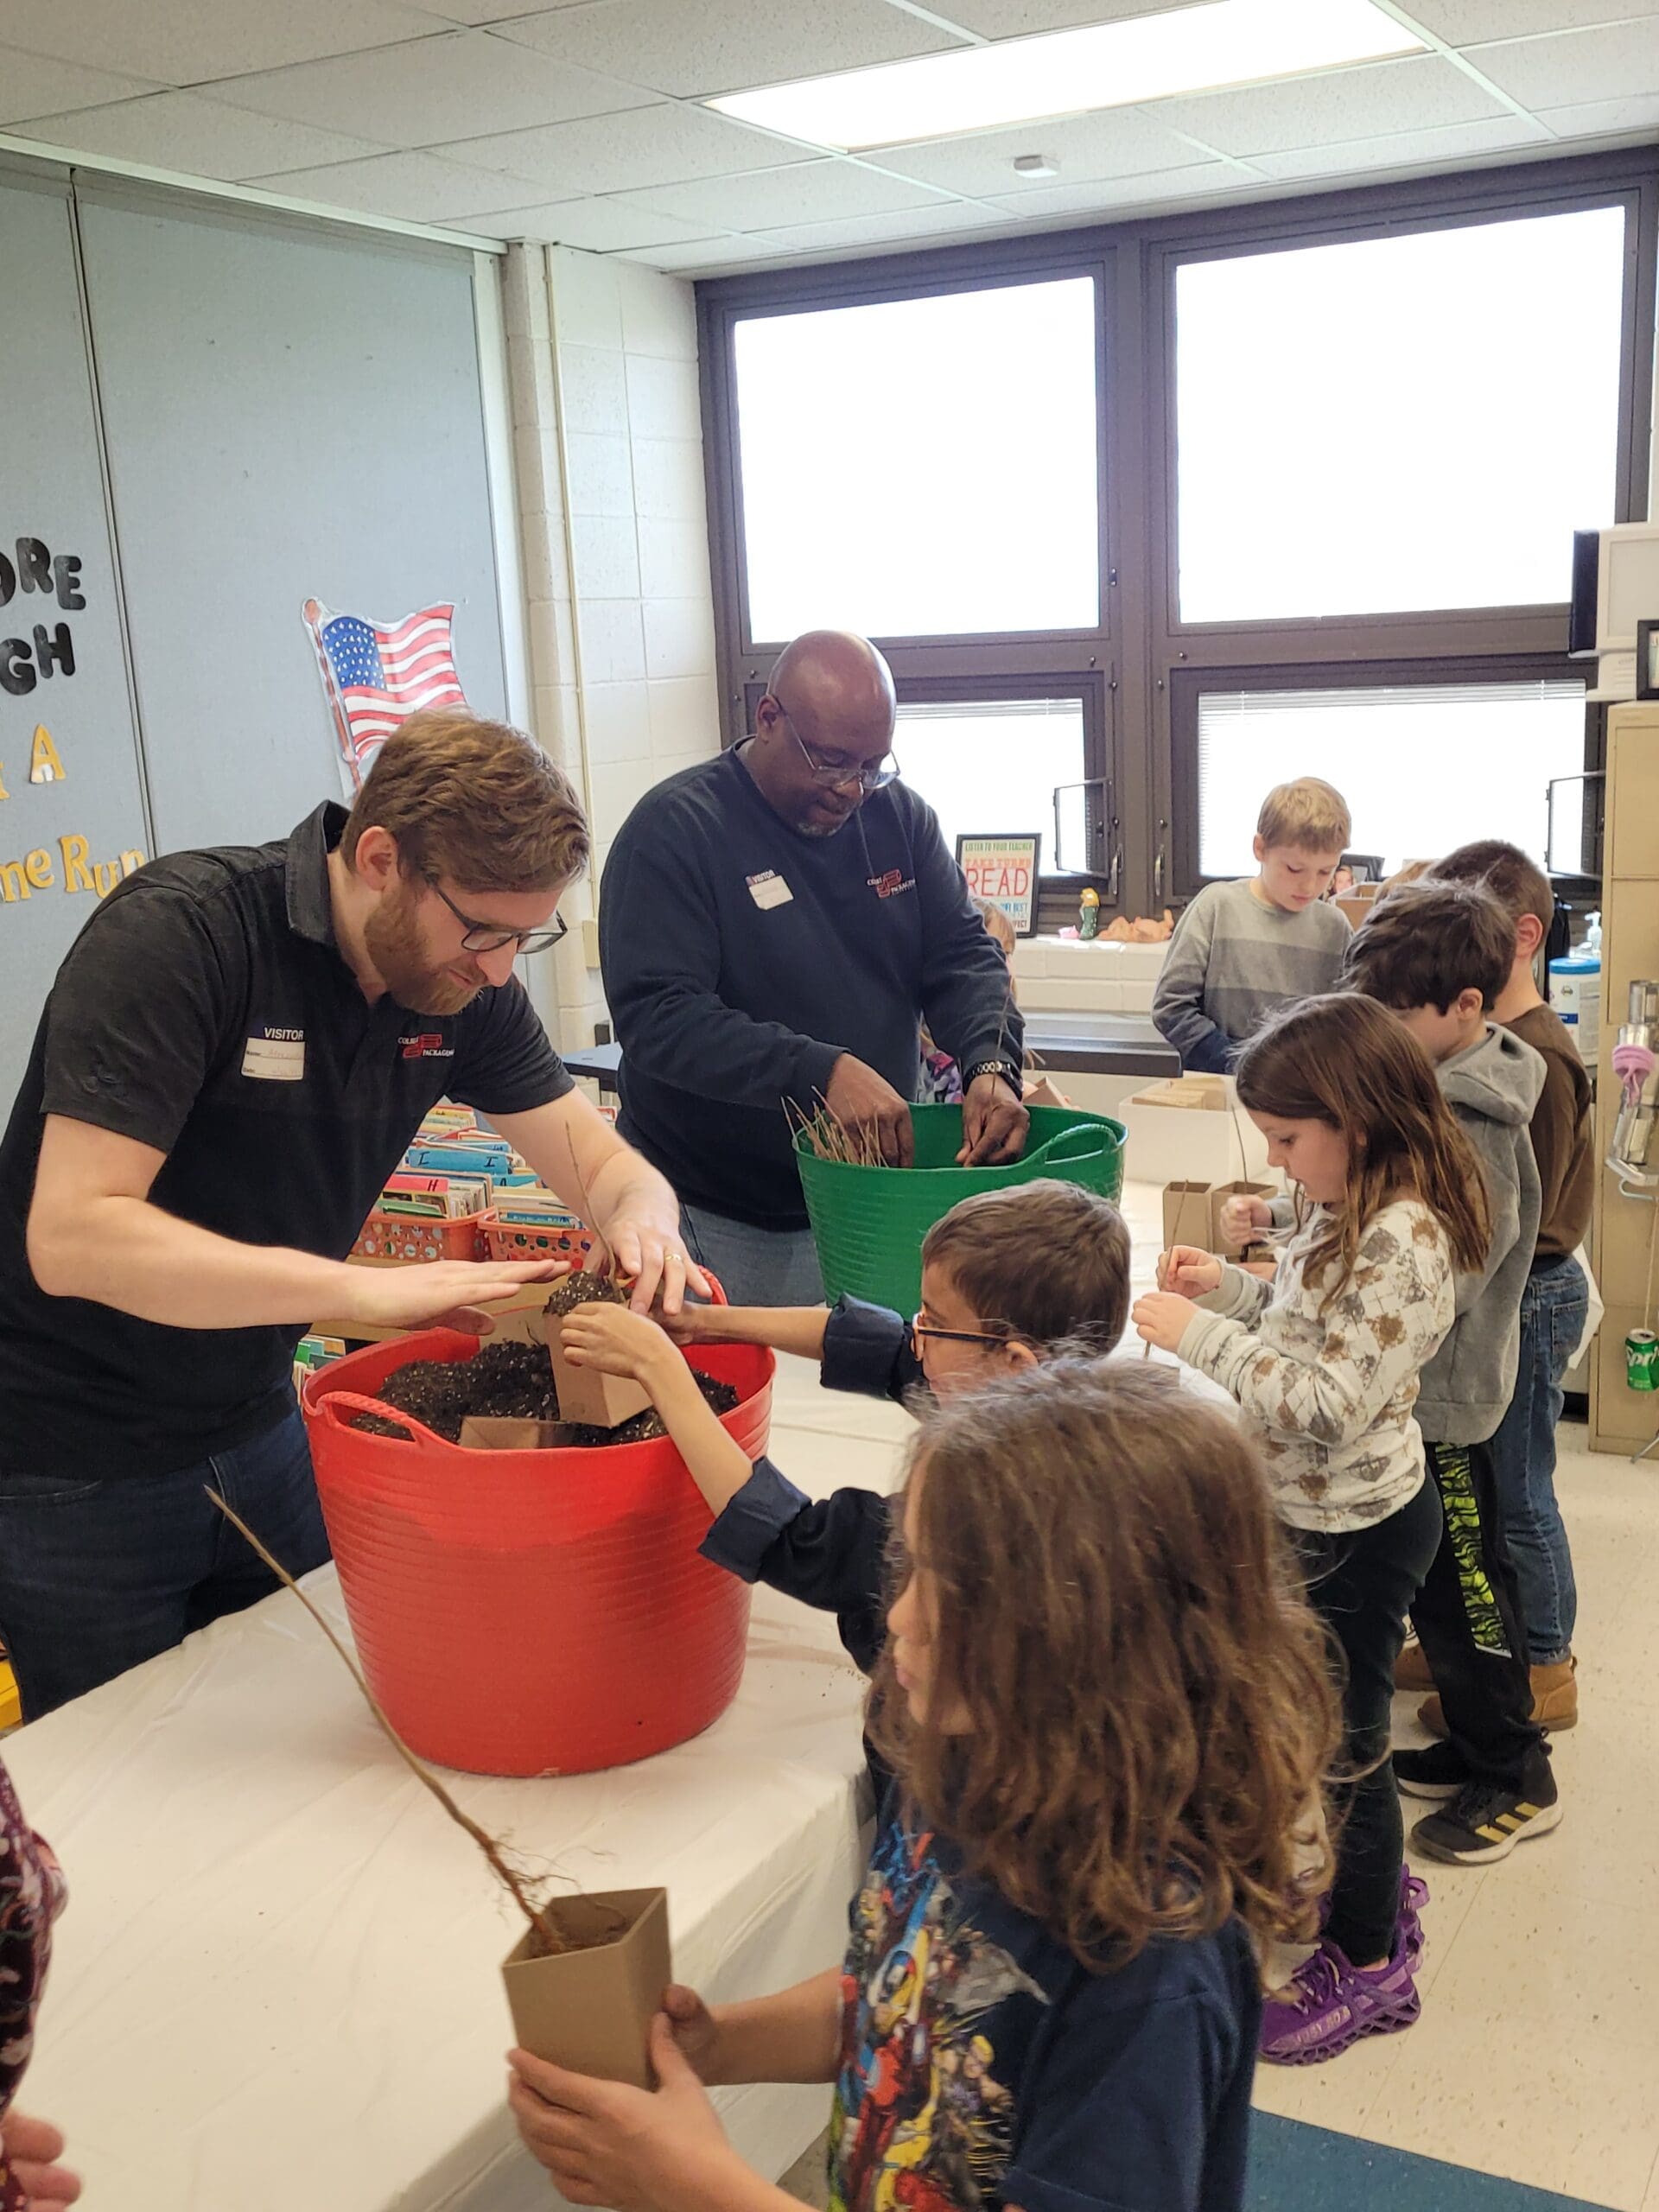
{"x":1016,"y":18}
{"x":1106,"y":197}
{"x":411,"y":187}
{"x":1337,"y":104}
{"x":431,"y":91}
{"x":596,"y":225}
{"x":1468,"y":23}
{"x":1406,"y":149}
{"x":1596,"y":65}
{"x":30,"y":85}
{"x":660,"y":144}
{"x":484,"y":11}
{"x":704,"y":256}
{"x":192,"y":41}
{"x":1114,"y":142}
{"x":1603,"y":118}
{"x":197,"y":136}
{"x":858,"y":231}
{"x":723,"y":45}
{"x":812,"y":192}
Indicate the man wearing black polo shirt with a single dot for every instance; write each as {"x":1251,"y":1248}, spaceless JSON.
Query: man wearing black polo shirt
{"x":236,"y":1052}
{"x":774,"y":926}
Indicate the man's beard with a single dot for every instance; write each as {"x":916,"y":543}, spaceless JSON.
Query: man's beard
{"x":392,"y":937}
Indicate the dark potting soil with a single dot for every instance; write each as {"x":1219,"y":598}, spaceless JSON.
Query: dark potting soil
{"x":512,"y":1380}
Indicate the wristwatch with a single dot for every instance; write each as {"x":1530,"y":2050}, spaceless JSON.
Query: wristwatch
{"x":1006,"y":1069}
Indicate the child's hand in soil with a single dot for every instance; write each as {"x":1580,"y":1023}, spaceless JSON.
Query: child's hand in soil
{"x":634,"y":2150}
{"x":1188,"y":1271}
{"x":1162,"y":1319}
{"x":615,"y":1341}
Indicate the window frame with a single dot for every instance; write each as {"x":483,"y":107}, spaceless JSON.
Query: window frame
{"x":1188,"y":683}
{"x":1141,"y":647}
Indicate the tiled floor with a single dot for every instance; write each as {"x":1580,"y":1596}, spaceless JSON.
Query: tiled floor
{"x":1537,"y":2059}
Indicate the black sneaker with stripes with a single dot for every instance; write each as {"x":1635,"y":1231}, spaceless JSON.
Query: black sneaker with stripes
{"x":1483,"y":1822}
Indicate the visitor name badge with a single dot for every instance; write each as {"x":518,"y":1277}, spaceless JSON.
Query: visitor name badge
{"x":274,"y":1055}
{"x":768,"y":889}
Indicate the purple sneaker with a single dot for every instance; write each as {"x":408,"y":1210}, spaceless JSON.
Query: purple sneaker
{"x":1327,"y":2004}
{"x":1413,"y":1895}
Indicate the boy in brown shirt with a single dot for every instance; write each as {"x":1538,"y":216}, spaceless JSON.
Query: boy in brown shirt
{"x":1556,"y":1300}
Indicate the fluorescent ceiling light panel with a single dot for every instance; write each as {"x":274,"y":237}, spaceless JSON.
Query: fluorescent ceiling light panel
{"x":1109,"y":65}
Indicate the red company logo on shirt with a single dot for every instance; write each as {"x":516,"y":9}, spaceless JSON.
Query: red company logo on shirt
{"x":430,"y":1045}
{"x":890,"y":885}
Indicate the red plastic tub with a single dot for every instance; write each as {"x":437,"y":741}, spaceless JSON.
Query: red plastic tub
{"x":530,"y":1612}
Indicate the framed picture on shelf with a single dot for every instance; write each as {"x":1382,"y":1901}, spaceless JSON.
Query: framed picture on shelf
{"x":1647,"y":659}
{"x":1004,"y":870}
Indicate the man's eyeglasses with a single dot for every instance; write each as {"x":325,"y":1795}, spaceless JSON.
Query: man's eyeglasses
{"x":839,"y":773}
{"x":490,"y":937}
{"x":920,"y":1327}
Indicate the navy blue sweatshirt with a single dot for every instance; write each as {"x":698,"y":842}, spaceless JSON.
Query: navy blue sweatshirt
{"x":741,"y":959}
{"x":831,"y":1555}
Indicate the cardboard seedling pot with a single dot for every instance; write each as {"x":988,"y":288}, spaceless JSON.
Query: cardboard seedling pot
{"x":511,"y":1433}
{"x":1186,"y":1215}
{"x":1220,"y":1192}
{"x":587,"y":1396}
{"x":591,"y":2010}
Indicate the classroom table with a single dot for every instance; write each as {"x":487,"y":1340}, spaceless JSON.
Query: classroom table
{"x":1064,"y":1043}
{"x":277,"y":1984}
{"x":277,"y":1981}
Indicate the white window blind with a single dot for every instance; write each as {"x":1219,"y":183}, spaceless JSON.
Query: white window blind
{"x":1423,"y":767}
{"x":990,"y":767}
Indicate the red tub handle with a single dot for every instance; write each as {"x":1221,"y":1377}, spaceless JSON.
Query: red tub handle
{"x":334,"y":1402}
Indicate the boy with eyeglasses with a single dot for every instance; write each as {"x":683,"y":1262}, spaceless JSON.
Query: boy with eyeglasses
{"x":1010,"y":1278}
{"x":775,"y":926}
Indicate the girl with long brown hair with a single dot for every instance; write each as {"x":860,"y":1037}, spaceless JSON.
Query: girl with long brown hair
{"x":1325,"y":1361}
{"x":1106,"y":1711}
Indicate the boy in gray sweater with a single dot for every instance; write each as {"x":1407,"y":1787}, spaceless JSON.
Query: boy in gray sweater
{"x":1242,"y":951}
{"x":1439,"y":954}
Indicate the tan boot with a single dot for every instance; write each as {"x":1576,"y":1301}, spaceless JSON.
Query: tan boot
{"x":1554,"y":1700}
{"x":1411,"y":1669}
{"x":1555,"y":1694}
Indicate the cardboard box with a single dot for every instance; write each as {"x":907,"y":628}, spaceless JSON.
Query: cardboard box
{"x":1218,"y":1197}
{"x":1186,"y":1215}
{"x":586,"y":1396}
{"x":591,"y":2010}
{"x":1190,"y":1131}
{"x":507,"y":1432}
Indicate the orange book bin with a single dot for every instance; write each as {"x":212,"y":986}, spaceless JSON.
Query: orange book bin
{"x":530,"y":1612}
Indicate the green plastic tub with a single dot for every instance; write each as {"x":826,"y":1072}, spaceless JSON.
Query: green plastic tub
{"x":868,"y":1222}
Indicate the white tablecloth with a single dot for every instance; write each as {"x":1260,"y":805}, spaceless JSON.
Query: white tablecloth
{"x":276,"y":1987}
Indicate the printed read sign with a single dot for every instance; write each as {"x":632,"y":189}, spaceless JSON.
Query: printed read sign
{"x":1003,"y":870}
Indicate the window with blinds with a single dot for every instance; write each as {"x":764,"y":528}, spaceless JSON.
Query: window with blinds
{"x":992,"y":767}
{"x":1424,"y":767}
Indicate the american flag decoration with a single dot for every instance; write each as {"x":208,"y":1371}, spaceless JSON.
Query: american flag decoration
{"x":376,"y":675}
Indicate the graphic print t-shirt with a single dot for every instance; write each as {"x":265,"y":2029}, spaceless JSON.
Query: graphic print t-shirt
{"x":981,"y":2065}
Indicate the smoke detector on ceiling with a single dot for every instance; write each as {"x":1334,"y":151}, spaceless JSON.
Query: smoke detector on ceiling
{"x":1036,"y":165}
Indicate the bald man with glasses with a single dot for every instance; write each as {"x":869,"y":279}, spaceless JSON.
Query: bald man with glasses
{"x":774,"y":927}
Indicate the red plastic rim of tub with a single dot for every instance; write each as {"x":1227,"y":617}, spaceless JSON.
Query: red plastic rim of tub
{"x":531,"y":1613}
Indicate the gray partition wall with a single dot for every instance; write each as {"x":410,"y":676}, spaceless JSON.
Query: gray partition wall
{"x":62,"y":670}
{"x":292,"y":411}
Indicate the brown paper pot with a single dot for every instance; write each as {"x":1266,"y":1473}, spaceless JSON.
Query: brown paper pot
{"x":1186,"y":1215}
{"x":591,"y":2010}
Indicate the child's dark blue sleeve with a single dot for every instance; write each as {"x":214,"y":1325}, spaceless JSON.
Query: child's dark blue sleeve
{"x":867,"y":1348}
{"x":1138,"y":2110}
{"x":831,"y":1555}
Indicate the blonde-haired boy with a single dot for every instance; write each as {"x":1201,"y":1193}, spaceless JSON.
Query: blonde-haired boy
{"x":1241,"y":950}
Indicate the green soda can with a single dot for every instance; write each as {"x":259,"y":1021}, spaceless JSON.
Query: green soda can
{"x":1642,"y":1360}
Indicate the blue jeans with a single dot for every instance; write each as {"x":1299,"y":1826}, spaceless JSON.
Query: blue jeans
{"x":1553,"y":1308}
{"x":99,"y":1573}
{"x":756,"y":1267}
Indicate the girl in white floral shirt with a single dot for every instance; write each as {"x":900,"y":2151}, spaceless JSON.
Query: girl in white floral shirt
{"x":1325,"y":1361}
